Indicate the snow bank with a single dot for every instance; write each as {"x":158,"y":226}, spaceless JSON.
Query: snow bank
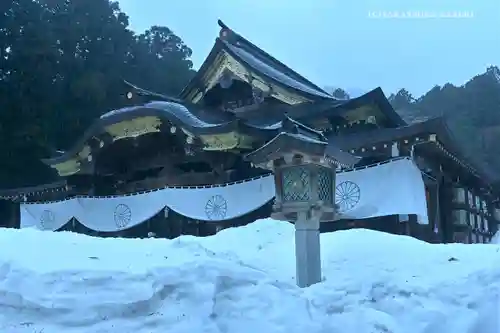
{"x":242,"y":280}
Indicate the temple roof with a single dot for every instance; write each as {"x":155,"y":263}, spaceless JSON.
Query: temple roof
{"x":255,"y":60}
{"x":323,"y":109}
{"x":300,"y":111}
{"x":341,"y":107}
{"x":437,"y":126}
{"x":194,"y":120}
{"x":365,"y":138}
{"x":198,"y":120}
{"x":265,"y":57}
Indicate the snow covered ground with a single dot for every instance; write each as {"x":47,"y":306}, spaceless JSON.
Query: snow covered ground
{"x":242,"y":280}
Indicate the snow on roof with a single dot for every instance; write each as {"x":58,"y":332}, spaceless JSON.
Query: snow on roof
{"x":275,"y":74}
{"x":177,"y":110}
{"x":242,"y":280}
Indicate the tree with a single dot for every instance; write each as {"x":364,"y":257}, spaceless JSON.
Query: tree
{"x":472,"y":112}
{"x":28,"y":85}
{"x":340,"y":94}
{"x":63,"y":63}
{"x":161,"y":61}
{"x":402,"y":99}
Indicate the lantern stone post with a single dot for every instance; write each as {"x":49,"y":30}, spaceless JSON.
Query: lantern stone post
{"x":304,"y":165}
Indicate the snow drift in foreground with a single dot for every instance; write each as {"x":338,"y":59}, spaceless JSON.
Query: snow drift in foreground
{"x":242,"y":280}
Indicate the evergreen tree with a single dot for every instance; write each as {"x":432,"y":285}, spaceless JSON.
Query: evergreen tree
{"x":340,"y":94}
{"x":472,"y":112}
{"x":62,"y":65}
{"x":402,"y":99}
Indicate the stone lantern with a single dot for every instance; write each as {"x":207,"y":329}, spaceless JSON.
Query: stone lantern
{"x":304,"y":165}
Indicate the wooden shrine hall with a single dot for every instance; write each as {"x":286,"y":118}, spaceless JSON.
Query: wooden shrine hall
{"x":162,"y":166}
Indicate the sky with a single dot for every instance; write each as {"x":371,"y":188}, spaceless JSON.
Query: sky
{"x":356,"y":45}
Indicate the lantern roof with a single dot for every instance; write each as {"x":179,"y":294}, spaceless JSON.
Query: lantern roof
{"x":298,"y":139}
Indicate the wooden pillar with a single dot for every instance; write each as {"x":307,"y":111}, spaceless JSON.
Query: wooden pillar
{"x":445,"y":195}
{"x":93,"y":180}
{"x":491,"y":220}
{"x":414,"y":232}
{"x":395,"y":150}
{"x":470,"y":222}
{"x":404,"y":224}
{"x":400,"y":219}
{"x":438,"y":219}
{"x":434,"y":211}
{"x":477,"y":221}
{"x":166,"y":222}
{"x":14,"y":219}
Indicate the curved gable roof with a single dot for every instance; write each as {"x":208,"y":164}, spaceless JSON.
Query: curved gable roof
{"x":260,"y":62}
{"x":340,"y":107}
{"x":269,"y":59}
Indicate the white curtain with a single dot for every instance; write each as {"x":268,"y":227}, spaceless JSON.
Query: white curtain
{"x":48,"y":216}
{"x":109,"y":214}
{"x":392,"y":188}
{"x":222,"y":202}
{"x":121,"y":212}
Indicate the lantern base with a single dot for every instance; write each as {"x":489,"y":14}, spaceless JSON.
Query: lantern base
{"x":307,"y":250}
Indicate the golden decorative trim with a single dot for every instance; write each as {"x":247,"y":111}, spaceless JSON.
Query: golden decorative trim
{"x":245,"y":141}
{"x":368,"y":114}
{"x":84,"y":153}
{"x":219,"y":142}
{"x":67,"y":168}
{"x":134,"y":127}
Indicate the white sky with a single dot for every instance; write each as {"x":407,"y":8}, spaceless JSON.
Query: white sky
{"x":337,"y":43}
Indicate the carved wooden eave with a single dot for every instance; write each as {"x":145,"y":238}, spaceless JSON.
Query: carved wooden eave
{"x":362,"y":113}
{"x":26,"y":193}
{"x":81,"y":161}
{"x":211,"y":130}
{"x":454,"y":156}
{"x":384,"y":146}
{"x":372,"y":107}
{"x":405,"y":141}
